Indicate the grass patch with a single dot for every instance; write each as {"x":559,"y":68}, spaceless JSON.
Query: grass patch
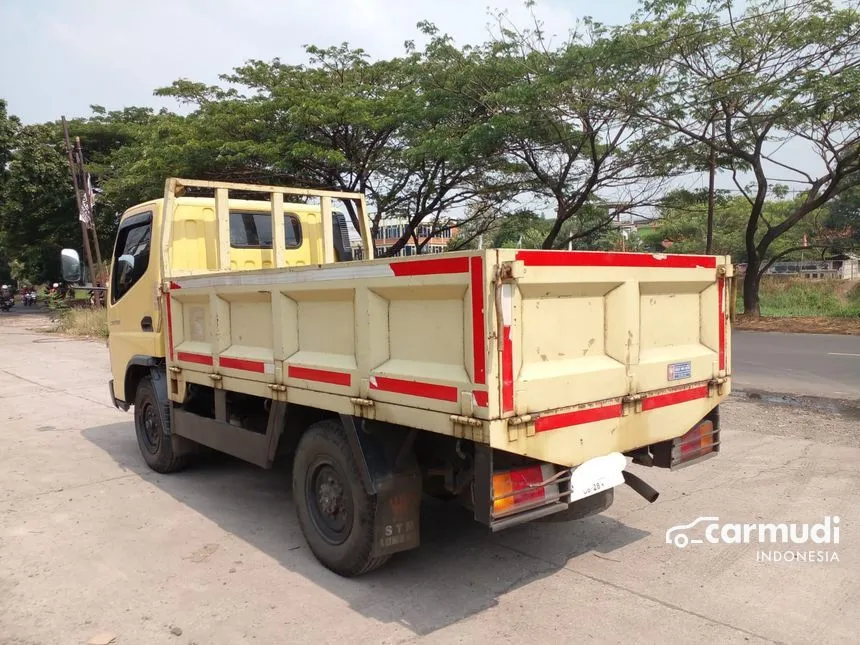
{"x":84,"y":322}
{"x":798,"y":297}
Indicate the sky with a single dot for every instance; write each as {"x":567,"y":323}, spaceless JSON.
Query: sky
{"x":58,"y":57}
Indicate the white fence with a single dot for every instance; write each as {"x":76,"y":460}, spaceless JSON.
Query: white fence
{"x":814,"y":269}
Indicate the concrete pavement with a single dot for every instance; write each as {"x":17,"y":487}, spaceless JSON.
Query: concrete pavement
{"x":801,"y":364}
{"x":91,"y":541}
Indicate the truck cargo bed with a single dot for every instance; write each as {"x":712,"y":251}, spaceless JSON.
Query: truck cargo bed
{"x":558,"y":355}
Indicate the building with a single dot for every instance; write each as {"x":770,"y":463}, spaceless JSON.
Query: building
{"x":392,"y":229}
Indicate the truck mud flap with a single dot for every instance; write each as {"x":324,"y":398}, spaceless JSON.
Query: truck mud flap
{"x":388,"y":470}
{"x":398,"y":504}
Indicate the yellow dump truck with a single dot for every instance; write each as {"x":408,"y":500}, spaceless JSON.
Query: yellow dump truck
{"x":520,"y":383}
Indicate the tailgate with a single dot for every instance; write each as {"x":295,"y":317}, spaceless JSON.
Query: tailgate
{"x":584,"y":327}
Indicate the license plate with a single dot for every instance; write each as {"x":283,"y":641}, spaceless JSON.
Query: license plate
{"x":596,"y":475}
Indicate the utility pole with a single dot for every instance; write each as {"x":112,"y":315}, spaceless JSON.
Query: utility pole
{"x":87,"y":251}
{"x":712,"y":171}
{"x":79,"y":160}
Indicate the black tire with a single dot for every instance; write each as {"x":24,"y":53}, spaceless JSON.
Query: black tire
{"x":150,"y":425}
{"x":335,"y":512}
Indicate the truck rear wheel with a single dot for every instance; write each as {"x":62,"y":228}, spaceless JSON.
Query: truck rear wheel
{"x":150,"y":425}
{"x":336,"y":514}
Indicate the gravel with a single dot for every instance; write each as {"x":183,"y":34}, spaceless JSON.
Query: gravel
{"x":823,"y":421}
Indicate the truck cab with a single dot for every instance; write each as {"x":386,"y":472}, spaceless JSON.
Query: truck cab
{"x":134,"y":298}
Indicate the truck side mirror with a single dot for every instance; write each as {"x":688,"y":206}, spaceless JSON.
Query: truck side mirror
{"x":70,"y":263}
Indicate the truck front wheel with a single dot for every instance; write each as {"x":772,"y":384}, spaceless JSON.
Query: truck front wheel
{"x":155,"y":443}
{"x":336,"y":514}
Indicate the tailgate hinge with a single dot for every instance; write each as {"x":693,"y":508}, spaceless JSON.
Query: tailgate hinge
{"x":717,"y":385}
{"x":362,"y":408}
{"x":631,"y":403}
{"x":468,"y":428}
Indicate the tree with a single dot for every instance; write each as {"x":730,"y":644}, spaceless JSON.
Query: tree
{"x":841,"y":222}
{"x":9,"y":127}
{"x":565,"y":142}
{"x":683,"y":220}
{"x":778,"y":73}
{"x":384,"y":128}
{"x":38,"y":216}
{"x":443,"y":159}
{"x":521,"y":229}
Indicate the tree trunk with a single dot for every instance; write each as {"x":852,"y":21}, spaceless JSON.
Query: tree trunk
{"x":755,"y":252}
{"x":712,"y":172}
{"x":752,"y":281}
{"x":551,"y":237}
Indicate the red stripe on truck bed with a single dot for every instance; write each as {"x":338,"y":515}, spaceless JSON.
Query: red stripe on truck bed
{"x":414,"y":388}
{"x":321,"y":376}
{"x":721,"y":306}
{"x":244,"y":364}
{"x":431,"y":267}
{"x":191,"y":357}
{"x":673,"y":398}
{"x":577,"y":417}
{"x":478,"y":347}
{"x":507,"y":371}
{"x":614,"y":410}
{"x":169,"y":325}
{"x":599,"y":258}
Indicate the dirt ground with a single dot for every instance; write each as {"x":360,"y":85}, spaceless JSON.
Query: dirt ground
{"x":810,"y":325}
{"x":95,"y":545}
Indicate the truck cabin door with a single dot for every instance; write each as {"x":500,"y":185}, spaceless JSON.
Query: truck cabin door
{"x":133,"y":310}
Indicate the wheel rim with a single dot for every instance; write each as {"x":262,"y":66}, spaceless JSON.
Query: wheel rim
{"x":151,"y":434}
{"x":329,"y":501}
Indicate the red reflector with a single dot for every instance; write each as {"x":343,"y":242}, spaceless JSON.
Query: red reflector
{"x":522,"y":480}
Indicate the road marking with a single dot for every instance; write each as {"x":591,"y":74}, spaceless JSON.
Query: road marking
{"x":841,"y":354}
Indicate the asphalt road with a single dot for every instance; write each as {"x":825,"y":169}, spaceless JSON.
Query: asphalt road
{"x":92,"y":542}
{"x":801,"y":364}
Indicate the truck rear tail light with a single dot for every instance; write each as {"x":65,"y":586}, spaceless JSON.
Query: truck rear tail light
{"x":702,"y":441}
{"x":523,"y":488}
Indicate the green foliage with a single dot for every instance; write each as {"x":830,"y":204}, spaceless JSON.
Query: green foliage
{"x":791,"y":297}
{"x":521,"y":229}
{"x":38,"y":213}
{"x":9,"y":127}
{"x":683,"y":222}
{"x":565,"y":140}
{"x":841,"y":224}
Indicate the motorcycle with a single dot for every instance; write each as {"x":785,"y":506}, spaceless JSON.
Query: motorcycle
{"x":29,"y":298}
{"x":6,"y":303}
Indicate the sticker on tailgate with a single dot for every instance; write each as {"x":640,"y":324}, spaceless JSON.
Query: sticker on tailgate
{"x":679,"y":371}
